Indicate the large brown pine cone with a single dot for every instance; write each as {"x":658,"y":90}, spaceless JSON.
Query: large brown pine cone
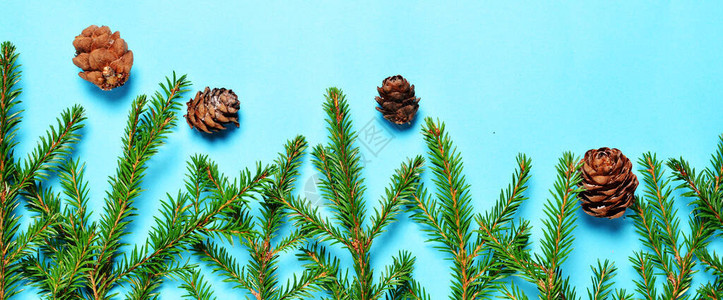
{"x":211,"y":110}
{"x":609,"y":183}
{"x":397,"y":101}
{"x":103,"y":56}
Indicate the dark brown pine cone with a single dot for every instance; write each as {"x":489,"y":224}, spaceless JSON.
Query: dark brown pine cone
{"x":397,"y":101}
{"x":103,"y":56}
{"x":609,"y":183}
{"x":211,"y":110}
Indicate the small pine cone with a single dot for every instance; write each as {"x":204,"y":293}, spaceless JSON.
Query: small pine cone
{"x":609,"y":183}
{"x":397,"y":101}
{"x":103,"y":56}
{"x":211,"y":110}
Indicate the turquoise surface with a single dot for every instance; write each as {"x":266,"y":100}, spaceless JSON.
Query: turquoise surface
{"x":506,"y":77}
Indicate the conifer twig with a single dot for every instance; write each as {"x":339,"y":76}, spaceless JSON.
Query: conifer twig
{"x":342,"y":186}
{"x":544,"y":269}
{"x":448,"y":217}
{"x":16,"y":246}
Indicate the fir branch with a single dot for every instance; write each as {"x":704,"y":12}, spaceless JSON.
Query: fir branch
{"x":513,"y":292}
{"x":602,"y":280}
{"x":52,"y":148}
{"x":146,"y":131}
{"x":259,"y":276}
{"x":177,"y":228}
{"x":9,"y":119}
{"x":447,"y":217}
{"x":656,"y":221}
{"x":146,"y":285}
{"x":409,"y":289}
{"x":643,"y":265}
{"x":222,"y":263}
{"x":196,"y":287}
{"x":343,"y":187}
{"x":395,"y":275}
{"x":543,"y":269}
{"x":314,"y":257}
{"x":20,"y":179}
{"x":560,"y":222}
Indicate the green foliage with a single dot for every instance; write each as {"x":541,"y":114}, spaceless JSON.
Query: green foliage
{"x":447,"y":217}
{"x":544,"y":269}
{"x":670,"y":252}
{"x":343,"y":189}
{"x":706,"y":191}
{"x":79,"y":259}
{"x":259,"y":276}
{"x":24,"y":179}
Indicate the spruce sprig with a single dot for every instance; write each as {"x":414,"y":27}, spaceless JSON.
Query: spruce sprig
{"x":79,"y":260}
{"x":149,"y":123}
{"x":706,"y":191}
{"x":19,"y":179}
{"x":259,"y":275}
{"x":448,"y":217}
{"x":209,"y":206}
{"x":544,"y":269}
{"x":342,"y":186}
{"x":669,"y":252}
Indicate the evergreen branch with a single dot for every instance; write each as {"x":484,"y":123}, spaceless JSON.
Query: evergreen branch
{"x":656,"y":220}
{"x":410,"y":289}
{"x":223,"y":263}
{"x":452,"y":189}
{"x":544,"y":269}
{"x":621,"y":294}
{"x":196,"y":287}
{"x":425,"y":211}
{"x":557,"y":244}
{"x":311,"y":221}
{"x":302,"y":287}
{"x":52,"y":148}
{"x":404,"y":184}
{"x":344,"y":162}
{"x":643,"y":265}
{"x":9,"y":120}
{"x":166,"y":237}
{"x":560,"y":222}
{"x":75,"y":188}
{"x":146,"y":285}
{"x":146,"y":131}
{"x":602,"y":280}
{"x":341,"y":184}
{"x":19,"y":179}
{"x":513,"y":292}
{"x":447,"y":219}
{"x":510,"y":199}
{"x":705,"y":205}
{"x":712,"y":261}
{"x":317,"y":257}
{"x":455,"y":204}
{"x":395,"y":275}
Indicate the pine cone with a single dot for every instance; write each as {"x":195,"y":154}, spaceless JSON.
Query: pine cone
{"x":609,"y":183}
{"x":397,"y":101}
{"x":103,"y":56}
{"x":211,"y":110}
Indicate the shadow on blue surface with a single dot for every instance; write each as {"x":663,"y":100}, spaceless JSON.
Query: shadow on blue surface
{"x":610,"y":226}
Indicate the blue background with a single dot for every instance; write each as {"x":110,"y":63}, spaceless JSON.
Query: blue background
{"x":505,"y":77}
